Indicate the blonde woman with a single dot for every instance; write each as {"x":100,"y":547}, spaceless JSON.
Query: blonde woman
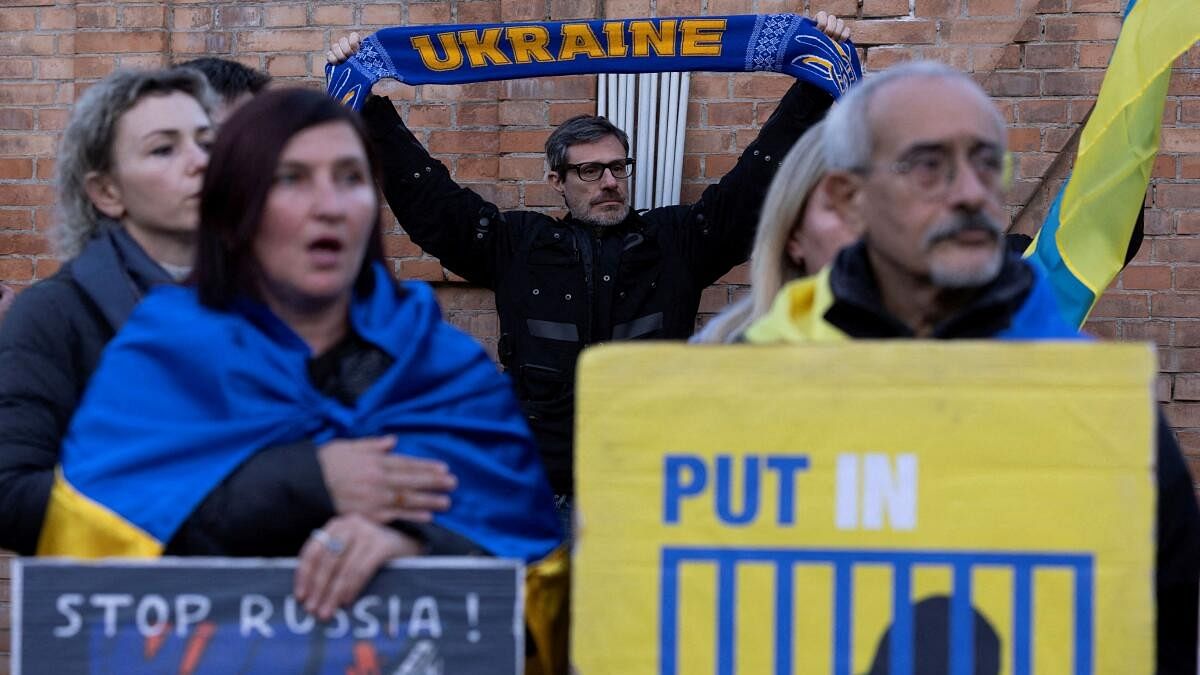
{"x":798,"y":234}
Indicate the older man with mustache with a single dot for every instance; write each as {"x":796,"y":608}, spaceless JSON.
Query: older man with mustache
{"x":917,"y":157}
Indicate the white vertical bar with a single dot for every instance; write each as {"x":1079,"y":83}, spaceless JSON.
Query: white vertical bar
{"x":612,"y":99}
{"x":680,"y":128}
{"x":669,"y":142}
{"x":639,"y":149}
{"x":651,"y":160}
{"x":660,"y":165}
{"x":602,"y":95}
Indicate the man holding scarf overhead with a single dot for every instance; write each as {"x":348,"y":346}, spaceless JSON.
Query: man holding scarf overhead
{"x":604,"y":272}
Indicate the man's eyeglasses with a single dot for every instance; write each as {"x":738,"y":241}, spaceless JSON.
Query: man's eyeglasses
{"x":592,"y":171}
{"x":932,"y":170}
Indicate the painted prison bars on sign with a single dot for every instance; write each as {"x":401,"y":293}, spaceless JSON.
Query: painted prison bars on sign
{"x":843,"y":563}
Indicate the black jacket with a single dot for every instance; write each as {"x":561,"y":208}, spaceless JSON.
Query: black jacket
{"x":858,"y":311}
{"x":561,"y":285}
{"x":50,"y":343}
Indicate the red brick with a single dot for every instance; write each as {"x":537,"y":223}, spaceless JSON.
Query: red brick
{"x":1177,"y":196}
{"x":561,"y":112}
{"x":333,"y":15}
{"x":1087,"y":27}
{"x":716,"y":166}
{"x":1187,"y":278}
{"x":1077,"y":83}
{"x":541,"y":194}
{"x":145,"y":16}
{"x":1043,"y":111}
{"x":429,"y":13}
{"x":485,"y":12}
{"x":1042,"y":55}
{"x":16,"y":169}
{"x":455,"y":142}
{"x":1143,"y":277}
{"x":932,"y":9}
{"x":12,"y":19}
{"x":478,"y":114}
{"x":1184,"y":83}
{"x":476,"y":168}
{"x":277,"y":16}
{"x":1187,"y":333}
{"x":522,"y":113}
{"x":1014,"y":84}
{"x":894,"y":32}
{"x":976,"y":31}
{"x":522,"y":141}
{"x":25,"y":195}
{"x":25,"y":45}
{"x":386,"y":15}
{"x":25,"y":144}
{"x":425,"y":269}
{"x":288,"y":65}
{"x":15,"y":119}
{"x":19,"y":219}
{"x":992,"y":8}
{"x":110,"y":42}
{"x":760,"y":86}
{"x":1175,"y":304}
{"x":1102,"y":6}
{"x":879,"y":58}
{"x":1189,"y":167}
{"x":96,"y":16}
{"x":1121,"y":305}
{"x":546,"y":88}
{"x":1095,"y":55}
{"x":185,"y":18}
{"x":1023,"y":139}
{"x":521,"y":168}
{"x":56,"y":18}
{"x":730,"y":114}
{"x":23,"y":244}
{"x":1181,"y":140}
{"x":1183,"y":414}
{"x":878,"y":8}
{"x":16,"y":269}
{"x":281,"y":40}
{"x":16,"y":69}
{"x":1187,"y":387}
{"x":1158,"y":332}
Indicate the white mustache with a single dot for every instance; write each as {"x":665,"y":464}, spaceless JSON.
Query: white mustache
{"x":959,"y":223}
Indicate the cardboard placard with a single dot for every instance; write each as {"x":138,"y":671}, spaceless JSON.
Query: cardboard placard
{"x":863,"y":507}
{"x":425,"y":616}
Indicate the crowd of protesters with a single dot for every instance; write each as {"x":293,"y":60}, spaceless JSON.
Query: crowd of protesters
{"x":340,"y":420}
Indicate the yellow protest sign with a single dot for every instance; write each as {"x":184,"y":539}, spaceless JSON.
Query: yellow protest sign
{"x":859,"y":507}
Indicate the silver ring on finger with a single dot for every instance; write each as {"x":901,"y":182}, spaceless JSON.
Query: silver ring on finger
{"x":330,"y":542}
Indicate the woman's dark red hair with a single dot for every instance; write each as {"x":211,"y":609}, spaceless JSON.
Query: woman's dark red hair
{"x":241,"y":171}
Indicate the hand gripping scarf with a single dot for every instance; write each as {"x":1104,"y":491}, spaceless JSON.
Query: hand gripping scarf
{"x":185,"y":394}
{"x":457,"y":54}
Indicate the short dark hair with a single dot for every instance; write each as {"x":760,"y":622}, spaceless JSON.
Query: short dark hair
{"x":229,"y":79}
{"x":579,"y":129}
{"x":241,"y":171}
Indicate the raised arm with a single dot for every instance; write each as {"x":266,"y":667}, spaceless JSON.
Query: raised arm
{"x":448,"y":221}
{"x":717,"y":231}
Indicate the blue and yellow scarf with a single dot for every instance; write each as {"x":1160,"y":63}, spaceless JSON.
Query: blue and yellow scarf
{"x":457,"y":54}
{"x":185,"y":394}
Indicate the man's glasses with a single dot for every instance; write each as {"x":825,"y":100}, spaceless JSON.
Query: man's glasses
{"x":932,"y":170}
{"x":592,"y":171}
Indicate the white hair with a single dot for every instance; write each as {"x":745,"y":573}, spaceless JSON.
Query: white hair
{"x":848,"y":137}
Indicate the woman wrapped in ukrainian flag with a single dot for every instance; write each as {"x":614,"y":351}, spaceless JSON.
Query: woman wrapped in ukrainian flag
{"x":293,"y":336}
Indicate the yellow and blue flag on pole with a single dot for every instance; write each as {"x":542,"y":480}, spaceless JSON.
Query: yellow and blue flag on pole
{"x":1082,"y":244}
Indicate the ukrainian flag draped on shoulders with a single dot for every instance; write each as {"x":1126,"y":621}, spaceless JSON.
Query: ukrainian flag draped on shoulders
{"x":184,"y":394}
{"x":1082,"y":244}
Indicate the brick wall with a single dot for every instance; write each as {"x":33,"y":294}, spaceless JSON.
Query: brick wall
{"x":1042,"y":60}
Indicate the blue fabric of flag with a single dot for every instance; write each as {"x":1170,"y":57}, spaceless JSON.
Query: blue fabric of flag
{"x":184,"y":394}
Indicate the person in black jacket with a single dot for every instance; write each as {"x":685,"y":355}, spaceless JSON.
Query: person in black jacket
{"x":129,"y":176}
{"x":922,"y":176}
{"x":604,"y":272}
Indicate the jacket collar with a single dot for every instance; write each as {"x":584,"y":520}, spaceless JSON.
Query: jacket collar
{"x":115,"y":272}
{"x":858,"y":310}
